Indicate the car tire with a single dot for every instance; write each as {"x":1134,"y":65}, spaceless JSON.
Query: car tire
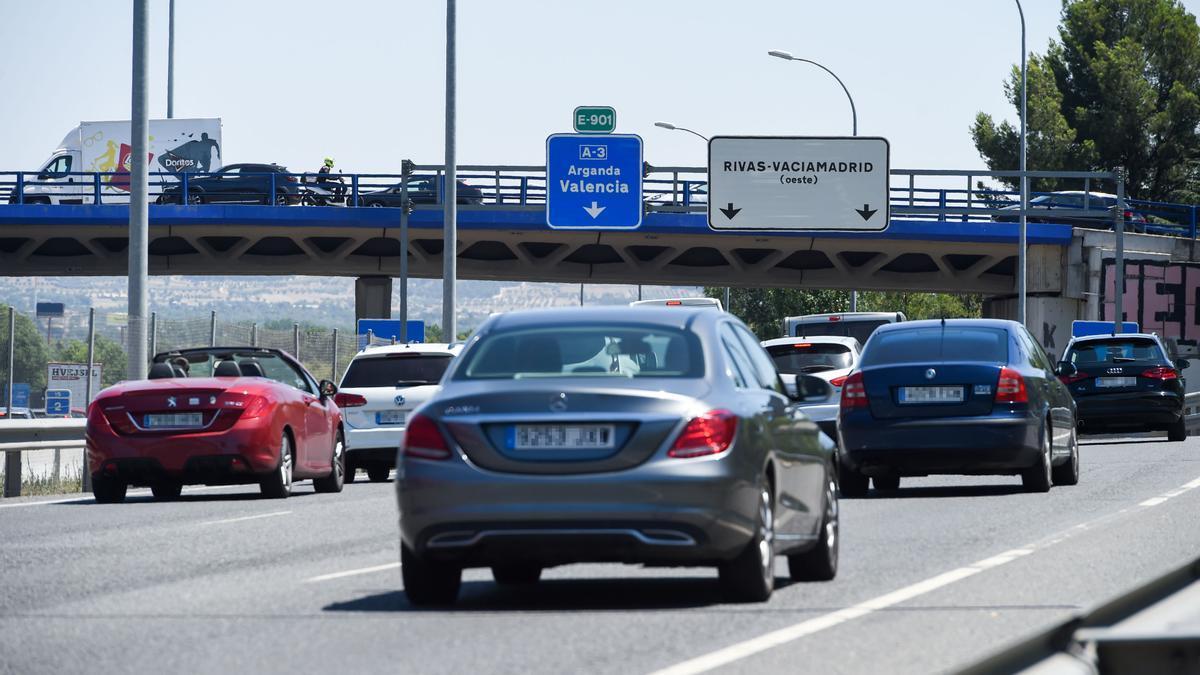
{"x":351,"y":470}
{"x":428,"y":582}
{"x":108,"y":490}
{"x":1067,"y":473}
{"x":851,"y":483}
{"x":167,"y":490}
{"x":750,"y":577}
{"x":1178,"y":431}
{"x":820,"y":562}
{"x":1037,"y":478}
{"x":278,"y":484}
{"x":337,"y":471}
{"x":885,"y":483}
{"x":375,"y":204}
{"x":378,"y":474}
{"x":516,"y":575}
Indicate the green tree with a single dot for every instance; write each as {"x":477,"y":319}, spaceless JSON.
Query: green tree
{"x":1123,"y":94}
{"x":29,"y":356}
{"x":107,"y":352}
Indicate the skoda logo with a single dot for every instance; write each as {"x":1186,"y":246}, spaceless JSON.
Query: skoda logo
{"x":930,"y":374}
{"x":399,"y":400}
{"x":171,"y":402}
{"x":558,"y":403}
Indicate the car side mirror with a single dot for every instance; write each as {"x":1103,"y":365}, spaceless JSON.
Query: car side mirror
{"x":327,"y":388}
{"x":1182,"y":364}
{"x":1065,"y":369}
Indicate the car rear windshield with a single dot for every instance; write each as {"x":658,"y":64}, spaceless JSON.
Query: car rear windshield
{"x":808,"y":357}
{"x":404,"y":370}
{"x":584,"y":351}
{"x":1115,"y":350}
{"x":937,"y":343}
{"x":859,"y":330}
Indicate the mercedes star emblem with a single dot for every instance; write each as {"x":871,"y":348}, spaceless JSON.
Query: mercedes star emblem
{"x":930,"y":374}
{"x":558,"y":403}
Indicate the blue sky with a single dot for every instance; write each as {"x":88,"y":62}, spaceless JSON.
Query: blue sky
{"x":362,"y":80}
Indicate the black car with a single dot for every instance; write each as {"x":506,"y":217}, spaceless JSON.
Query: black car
{"x":1079,"y":209}
{"x":421,"y":190}
{"x":1125,"y":382}
{"x":957,"y":396}
{"x":239,"y":184}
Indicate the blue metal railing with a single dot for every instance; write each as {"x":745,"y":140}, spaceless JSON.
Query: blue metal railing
{"x":669,"y":189}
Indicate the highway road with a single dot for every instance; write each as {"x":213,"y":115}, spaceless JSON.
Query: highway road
{"x":933,"y":576}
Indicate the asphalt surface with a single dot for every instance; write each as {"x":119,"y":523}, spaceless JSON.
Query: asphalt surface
{"x":932,"y":576}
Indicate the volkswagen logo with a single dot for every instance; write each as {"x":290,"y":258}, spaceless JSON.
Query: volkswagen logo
{"x":558,"y":403}
{"x":930,"y":374}
{"x":171,"y":402}
{"x":399,"y":400}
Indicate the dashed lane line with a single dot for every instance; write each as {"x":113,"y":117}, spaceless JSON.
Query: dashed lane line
{"x":352,"y":573}
{"x":245,"y":518}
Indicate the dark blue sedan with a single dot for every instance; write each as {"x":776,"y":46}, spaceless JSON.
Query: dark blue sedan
{"x":956,"y":396}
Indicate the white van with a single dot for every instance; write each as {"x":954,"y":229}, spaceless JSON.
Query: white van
{"x":858,"y":325}
{"x":177,"y":146}
{"x":680,"y":302}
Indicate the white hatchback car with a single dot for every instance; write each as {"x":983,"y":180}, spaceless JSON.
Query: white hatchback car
{"x":380,"y":388}
{"x":828,"y":357}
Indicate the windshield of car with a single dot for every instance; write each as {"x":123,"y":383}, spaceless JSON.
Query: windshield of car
{"x":937,"y":343}
{"x":807,"y":357}
{"x":250,"y":364}
{"x":857,"y":329}
{"x":584,"y":351}
{"x":392,"y":370}
{"x":1115,"y":350}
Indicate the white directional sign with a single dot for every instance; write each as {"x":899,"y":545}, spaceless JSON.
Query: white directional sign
{"x":797,"y":183}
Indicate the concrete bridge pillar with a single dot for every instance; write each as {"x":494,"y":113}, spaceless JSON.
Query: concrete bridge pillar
{"x":372,"y":298}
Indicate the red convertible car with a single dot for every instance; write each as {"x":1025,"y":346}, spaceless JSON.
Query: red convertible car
{"x":217,"y":416}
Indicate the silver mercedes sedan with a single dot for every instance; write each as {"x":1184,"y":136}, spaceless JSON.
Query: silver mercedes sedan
{"x":659,"y":436}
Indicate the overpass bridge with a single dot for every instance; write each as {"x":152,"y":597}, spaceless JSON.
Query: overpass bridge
{"x":946,"y":234}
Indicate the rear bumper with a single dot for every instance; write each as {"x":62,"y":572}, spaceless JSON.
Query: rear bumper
{"x":918,"y":447}
{"x":374,"y":440}
{"x":692,"y":512}
{"x":1143,"y":410}
{"x":235,"y":455}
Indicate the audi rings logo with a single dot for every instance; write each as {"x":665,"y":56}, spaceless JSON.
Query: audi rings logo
{"x":930,"y":374}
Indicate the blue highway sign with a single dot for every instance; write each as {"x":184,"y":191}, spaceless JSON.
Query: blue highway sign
{"x":20,"y":394}
{"x":386,"y":329}
{"x":58,"y":402}
{"x":1085,"y":328}
{"x":594,"y":182}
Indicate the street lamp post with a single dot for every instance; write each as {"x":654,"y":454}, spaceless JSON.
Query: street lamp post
{"x":787,"y":56}
{"x":1022,"y":253}
{"x":450,"y":191}
{"x":672,"y":127}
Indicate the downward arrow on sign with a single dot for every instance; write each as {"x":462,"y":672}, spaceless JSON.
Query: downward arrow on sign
{"x":594,"y":210}
{"x":730,"y":212}
{"x":866,"y":211}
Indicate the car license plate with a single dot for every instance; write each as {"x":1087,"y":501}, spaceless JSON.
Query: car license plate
{"x":1116,"y":382}
{"x":174,"y":421}
{"x":389,"y":417}
{"x":931,"y":394}
{"x":562,"y":436}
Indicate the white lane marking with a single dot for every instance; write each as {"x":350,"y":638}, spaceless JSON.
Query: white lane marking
{"x":244,"y":518}
{"x":741,"y":650}
{"x":352,"y":573}
{"x":1155,"y":501}
{"x":84,"y":497}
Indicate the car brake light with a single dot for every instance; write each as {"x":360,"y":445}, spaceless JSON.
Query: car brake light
{"x":802,"y":345}
{"x":835,"y":318}
{"x":1072,"y":379}
{"x":255,"y":406}
{"x":1011,"y":387}
{"x":854,"y":392}
{"x":1129,"y":215}
{"x":349,"y":400}
{"x":673,"y":303}
{"x":1161,"y":373}
{"x":708,"y":434}
{"x":422,"y":439}
{"x":838,"y":381}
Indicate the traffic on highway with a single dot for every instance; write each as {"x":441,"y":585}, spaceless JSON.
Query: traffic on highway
{"x":748,"y":397}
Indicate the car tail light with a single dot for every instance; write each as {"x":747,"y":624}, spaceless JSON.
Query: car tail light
{"x":802,"y":345}
{"x":673,"y":303}
{"x":838,"y":381}
{"x":1161,"y":373}
{"x":709,"y":434}
{"x":290,"y":179}
{"x":835,"y":318}
{"x":1011,"y":387}
{"x":349,"y":400}
{"x":1129,"y":215}
{"x":1072,"y":379}
{"x":854,"y":392}
{"x":256,"y":406}
{"x":423,"y":439}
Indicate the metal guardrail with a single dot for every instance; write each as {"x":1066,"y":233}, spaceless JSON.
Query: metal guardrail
{"x":1093,"y":641}
{"x":914,"y":193}
{"x":18,"y":435}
